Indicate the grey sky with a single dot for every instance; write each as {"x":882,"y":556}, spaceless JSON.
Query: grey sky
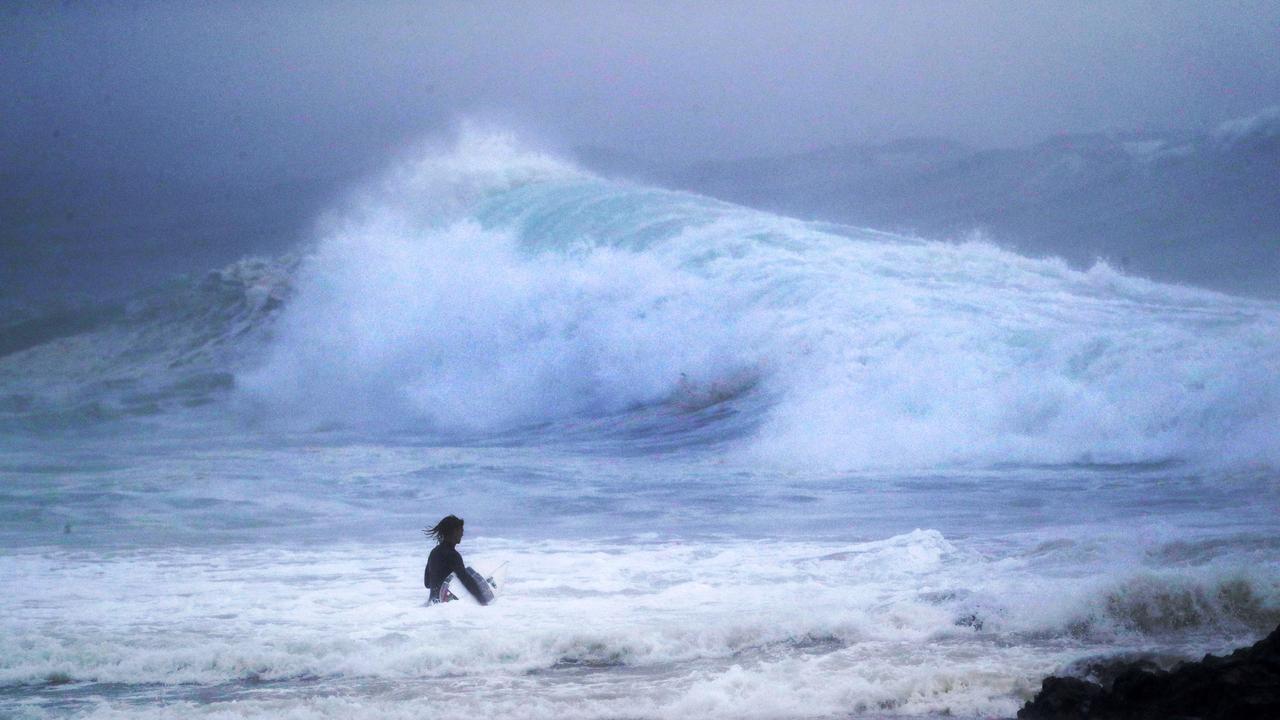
{"x":320,"y":83}
{"x":139,"y":139}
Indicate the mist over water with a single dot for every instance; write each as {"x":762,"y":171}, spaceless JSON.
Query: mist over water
{"x":737,"y":465}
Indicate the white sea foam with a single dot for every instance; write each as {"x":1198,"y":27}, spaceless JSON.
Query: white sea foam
{"x":911,"y":624}
{"x":489,"y":288}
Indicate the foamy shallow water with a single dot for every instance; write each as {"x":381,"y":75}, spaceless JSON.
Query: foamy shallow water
{"x":859,"y":596}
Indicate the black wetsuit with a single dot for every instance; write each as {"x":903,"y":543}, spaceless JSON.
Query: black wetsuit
{"x":445,"y":559}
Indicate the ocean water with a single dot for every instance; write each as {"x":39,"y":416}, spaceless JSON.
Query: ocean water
{"x":729,"y":464}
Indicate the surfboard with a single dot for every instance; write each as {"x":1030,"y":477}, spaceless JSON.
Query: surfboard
{"x":498,"y":578}
{"x":487,"y":588}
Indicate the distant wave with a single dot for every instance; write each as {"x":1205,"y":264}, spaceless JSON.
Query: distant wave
{"x":490,"y":291}
{"x":163,"y":351}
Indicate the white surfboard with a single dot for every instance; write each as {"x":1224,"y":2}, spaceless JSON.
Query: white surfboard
{"x":498,"y":578}
{"x":487,"y":587}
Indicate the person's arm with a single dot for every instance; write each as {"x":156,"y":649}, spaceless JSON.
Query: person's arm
{"x":460,"y":570}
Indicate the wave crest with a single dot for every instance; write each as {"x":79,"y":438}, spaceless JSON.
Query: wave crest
{"x":517,"y":292}
{"x":494,"y":291}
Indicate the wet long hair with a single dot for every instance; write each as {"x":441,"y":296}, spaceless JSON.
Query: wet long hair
{"x":447,"y":526}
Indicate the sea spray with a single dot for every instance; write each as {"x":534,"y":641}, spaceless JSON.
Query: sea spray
{"x":490,"y":289}
{"x":492,"y":292}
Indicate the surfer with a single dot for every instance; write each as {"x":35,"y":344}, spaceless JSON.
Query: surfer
{"x":445,"y":559}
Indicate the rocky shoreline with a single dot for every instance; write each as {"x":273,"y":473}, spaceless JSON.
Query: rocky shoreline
{"x":1244,"y":685}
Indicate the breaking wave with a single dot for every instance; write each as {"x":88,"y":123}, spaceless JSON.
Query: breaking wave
{"x":491,"y":291}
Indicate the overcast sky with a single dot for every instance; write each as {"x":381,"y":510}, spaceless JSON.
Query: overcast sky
{"x":141,"y":139}
{"x":310,"y":85}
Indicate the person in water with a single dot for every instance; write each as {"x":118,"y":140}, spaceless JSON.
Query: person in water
{"x":445,"y":559}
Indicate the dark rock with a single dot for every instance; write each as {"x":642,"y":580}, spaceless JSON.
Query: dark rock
{"x":1062,"y":698}
{"x":1244,"y":685}
{"x":1105,"y":670}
